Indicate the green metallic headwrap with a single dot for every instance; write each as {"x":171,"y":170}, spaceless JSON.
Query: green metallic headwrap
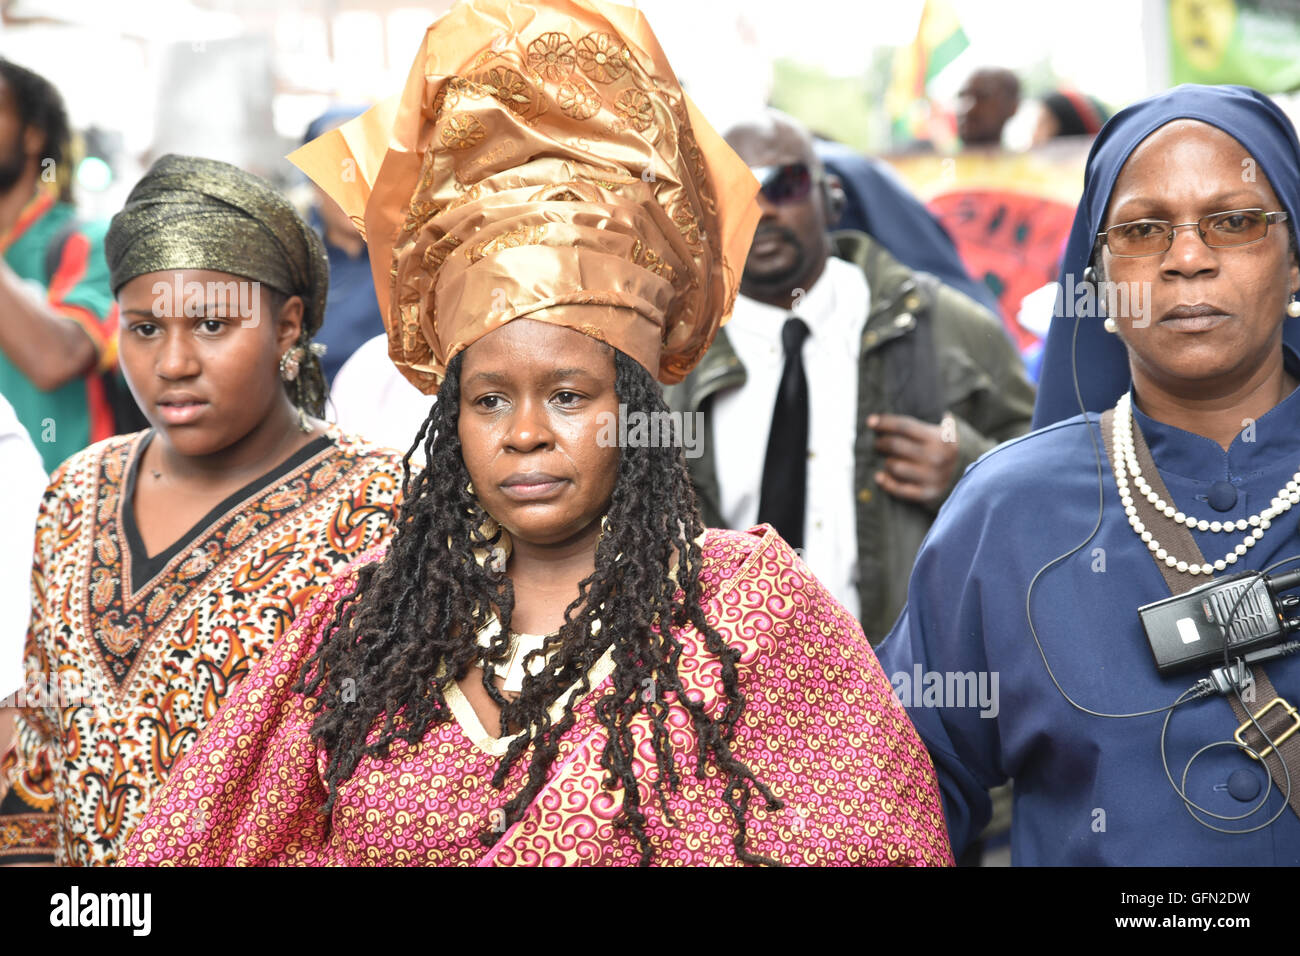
{"x":194,"y":213}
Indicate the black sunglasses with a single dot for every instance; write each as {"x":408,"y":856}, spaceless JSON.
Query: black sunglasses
{"x":784,"y":184}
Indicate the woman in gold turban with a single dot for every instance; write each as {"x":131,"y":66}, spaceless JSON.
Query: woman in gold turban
{"x":554,"y":662}
{"x":168,"y":561}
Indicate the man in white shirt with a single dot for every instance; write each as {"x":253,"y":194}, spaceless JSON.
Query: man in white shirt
{"x":847,"y":393}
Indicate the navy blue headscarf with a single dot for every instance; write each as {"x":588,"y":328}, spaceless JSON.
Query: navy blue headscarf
{"x":1249,"y":117}
{"x":878,"y":203}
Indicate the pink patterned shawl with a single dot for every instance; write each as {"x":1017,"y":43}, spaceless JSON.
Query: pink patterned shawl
{"x":821,"y":727}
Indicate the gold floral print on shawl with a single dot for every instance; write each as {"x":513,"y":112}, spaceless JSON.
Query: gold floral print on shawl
{"x":579,"y":100}
{"x":462,"y":131}
{"x":552,"y":55}
{"x":636,"y":108}
{"x":602,"y":57}
{"x":507,"y":87}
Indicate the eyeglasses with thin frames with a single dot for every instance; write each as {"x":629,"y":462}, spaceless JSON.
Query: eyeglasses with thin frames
{"x":1220,"y":230}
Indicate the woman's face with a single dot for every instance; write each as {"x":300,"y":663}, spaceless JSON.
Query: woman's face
{"x":1210,"y":318}
{"x":534,"y":398}
{"x":201,"y":353}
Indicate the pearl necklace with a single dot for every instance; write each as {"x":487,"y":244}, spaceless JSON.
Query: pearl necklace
{"x":1125,"y":463}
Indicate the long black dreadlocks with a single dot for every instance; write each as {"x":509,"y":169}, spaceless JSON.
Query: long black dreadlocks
{"x":408,"y":630}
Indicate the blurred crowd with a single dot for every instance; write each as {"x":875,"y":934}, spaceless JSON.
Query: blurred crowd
{"x":218,"y":400}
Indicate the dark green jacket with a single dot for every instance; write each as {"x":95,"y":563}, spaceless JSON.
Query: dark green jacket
{"x":926,"y":349}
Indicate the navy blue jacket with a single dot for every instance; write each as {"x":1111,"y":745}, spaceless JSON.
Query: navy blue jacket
{"x":1088,"y":790}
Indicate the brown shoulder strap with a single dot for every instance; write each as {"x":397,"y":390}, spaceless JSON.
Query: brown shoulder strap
{"x":1274,"y":714}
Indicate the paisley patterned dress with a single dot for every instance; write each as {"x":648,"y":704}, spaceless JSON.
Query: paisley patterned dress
{"x":129,"y":655}
{"x":821,"y":727}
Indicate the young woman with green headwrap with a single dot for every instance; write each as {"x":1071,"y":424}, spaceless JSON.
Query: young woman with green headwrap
{"x":168,"y":562}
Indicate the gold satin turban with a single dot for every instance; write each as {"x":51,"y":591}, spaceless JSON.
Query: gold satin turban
{"x":543,"y":162}
{"x":188,"y":212}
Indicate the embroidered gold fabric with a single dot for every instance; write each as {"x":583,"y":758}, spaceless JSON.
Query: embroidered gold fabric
{"x":543,"y":161}
{"x":189,"y":212}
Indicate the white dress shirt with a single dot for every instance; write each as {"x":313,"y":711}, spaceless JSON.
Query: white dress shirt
{"x":835,"y":309}
{"x":24,"y":480}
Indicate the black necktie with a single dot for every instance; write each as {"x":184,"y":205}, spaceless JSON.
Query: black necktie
{"x":785,"y":470}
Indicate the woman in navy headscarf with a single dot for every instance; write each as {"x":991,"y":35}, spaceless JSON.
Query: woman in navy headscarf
{"x":1020,"y":653}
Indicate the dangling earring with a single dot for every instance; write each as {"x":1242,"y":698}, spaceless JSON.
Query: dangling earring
{"x":1293,"y":307}
{"x":1110,"y":326}
{"x":289,"y":364}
